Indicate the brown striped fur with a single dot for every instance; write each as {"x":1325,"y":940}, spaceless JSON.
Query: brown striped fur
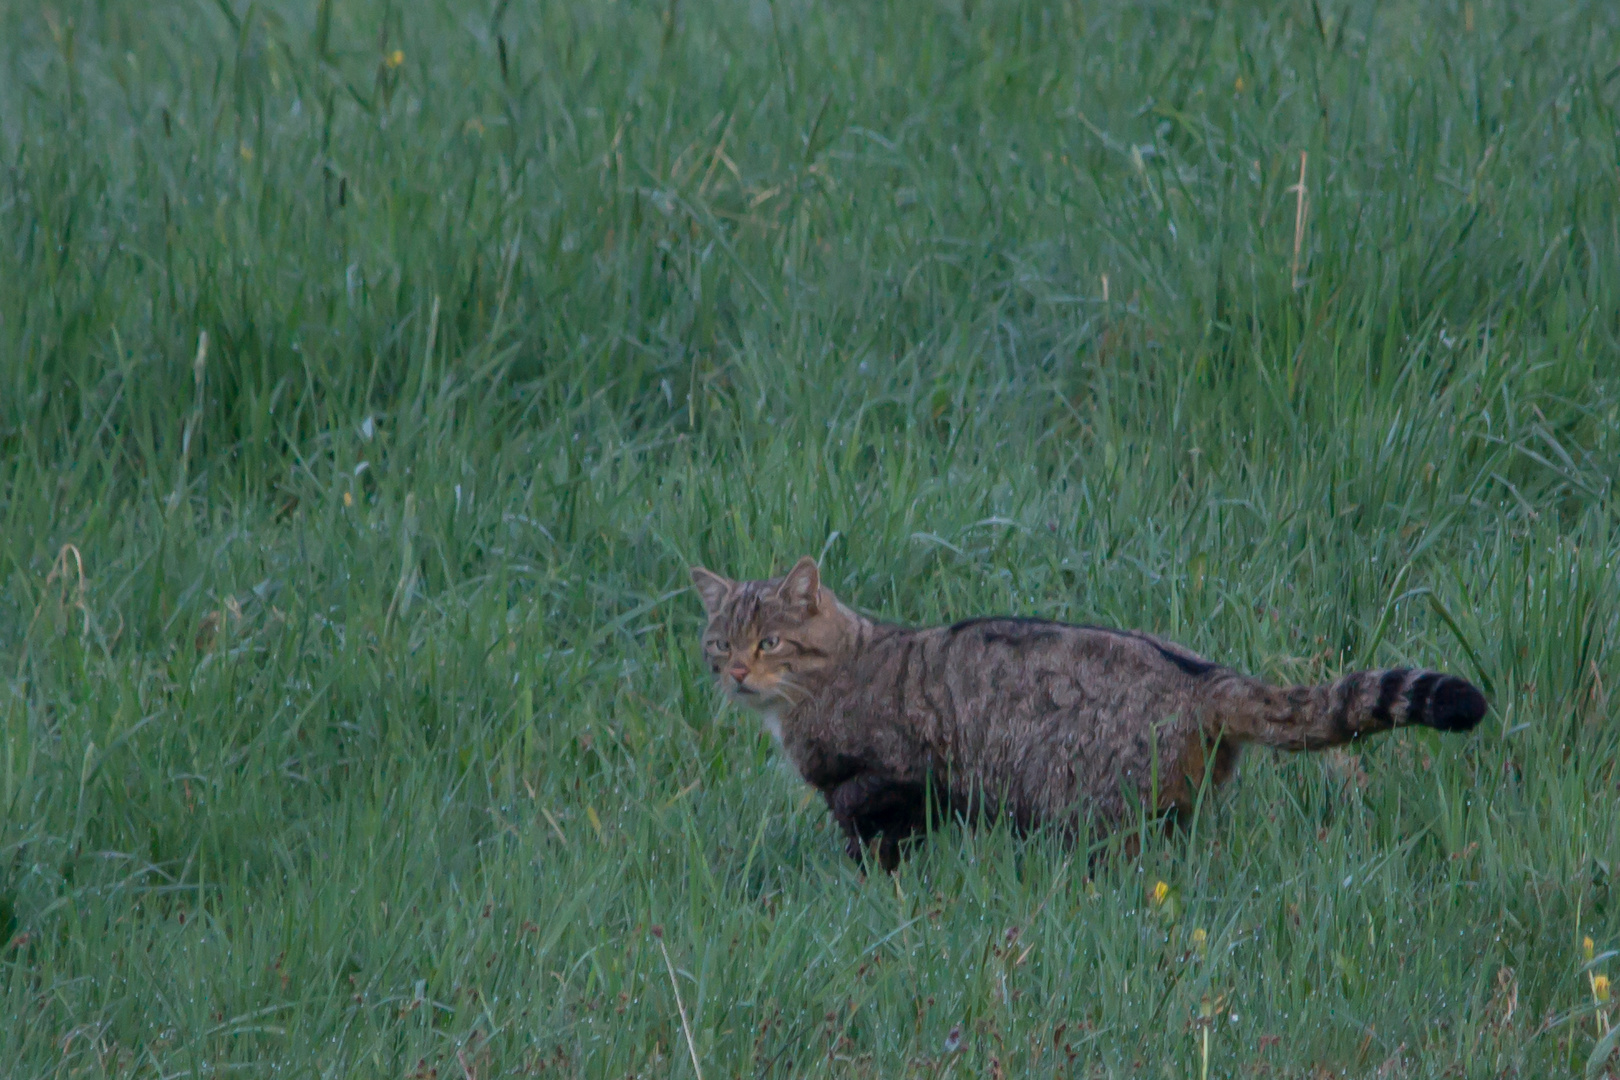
{"x":1039,"y":721}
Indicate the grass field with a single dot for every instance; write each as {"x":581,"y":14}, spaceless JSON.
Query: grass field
{"x":352,"y":720}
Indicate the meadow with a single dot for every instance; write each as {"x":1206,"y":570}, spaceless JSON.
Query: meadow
{"x":371,"y":373}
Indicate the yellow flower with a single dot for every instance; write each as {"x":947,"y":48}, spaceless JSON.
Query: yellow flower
{"x":1587,"y":948}
{"x":348,"y":499}
{"x":1600,"y":987}
{"x":1238,"y":86}
{"x":1160,"y":891}
{"x":395,"y":58}
{"x":1200,"y":941}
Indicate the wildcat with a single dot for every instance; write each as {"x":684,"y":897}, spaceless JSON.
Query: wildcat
{"x":1039,"y":721}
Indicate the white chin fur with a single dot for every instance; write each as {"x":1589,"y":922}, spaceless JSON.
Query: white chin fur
{"x":770,"y":708}
{"x":771,"y":718}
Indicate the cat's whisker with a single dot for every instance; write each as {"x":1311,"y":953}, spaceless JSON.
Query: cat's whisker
{"x":795,"y":693}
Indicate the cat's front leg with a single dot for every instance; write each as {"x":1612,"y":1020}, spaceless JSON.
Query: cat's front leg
{"x":872,"y":807}
{"x":848,"y":802}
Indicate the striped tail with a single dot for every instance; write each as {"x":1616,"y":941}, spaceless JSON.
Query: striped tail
{"x":1360,"y":704}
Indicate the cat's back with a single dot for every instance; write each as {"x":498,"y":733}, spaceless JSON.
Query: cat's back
{"x":1007,"y":644}
{"x":1006,"y":668}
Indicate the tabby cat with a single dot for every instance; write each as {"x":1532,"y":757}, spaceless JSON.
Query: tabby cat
{"x":1039,"y":721}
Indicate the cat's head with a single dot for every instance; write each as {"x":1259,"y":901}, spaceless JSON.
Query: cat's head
{"x":769,"y":642}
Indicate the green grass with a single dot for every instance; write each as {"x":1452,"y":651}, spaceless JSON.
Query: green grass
{"x":372,"y":738}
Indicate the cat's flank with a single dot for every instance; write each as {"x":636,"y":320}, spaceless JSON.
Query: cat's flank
{"x":1036,"y":720}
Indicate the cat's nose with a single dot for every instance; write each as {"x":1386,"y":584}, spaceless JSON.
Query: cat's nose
{"x":738,"y":672}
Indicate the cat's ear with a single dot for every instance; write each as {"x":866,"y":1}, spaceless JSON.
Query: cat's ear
{"x":712,"y":588}
{"x":802,"y":586}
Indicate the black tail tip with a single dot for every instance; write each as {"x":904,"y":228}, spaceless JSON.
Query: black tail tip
{"x":1457,"y":705}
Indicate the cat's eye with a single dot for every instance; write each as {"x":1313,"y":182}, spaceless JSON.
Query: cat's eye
{"x":719,"y":646}
{"x":769,"y":643}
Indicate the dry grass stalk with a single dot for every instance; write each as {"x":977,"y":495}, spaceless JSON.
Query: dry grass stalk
{"x":1299,"y":218}
{"x":686,"y":1028}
